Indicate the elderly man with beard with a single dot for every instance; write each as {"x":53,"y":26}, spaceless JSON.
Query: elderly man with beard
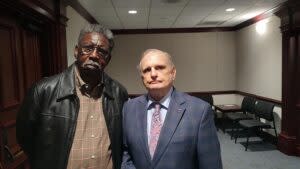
{"x":73,"y":120}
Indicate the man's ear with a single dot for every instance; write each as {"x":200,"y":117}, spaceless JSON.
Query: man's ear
{"x":76,"y":52}
{"x":174,"y":73}
{"x":108,"y":59}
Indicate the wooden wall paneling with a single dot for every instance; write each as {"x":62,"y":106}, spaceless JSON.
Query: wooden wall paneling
{"x":58,"y":61}
{"x":31,"y":57}
{"x":50,"y":16}
{"x":11,"y":153}
{"x":297,"y":90}
{"x":61,"y":25}
{"x":1,"y":149}
{"x":289,"y":138}
{"x":32,"y":46}
{"x":49,"y":6}
{"x":61,"y":48}
{"x":40,"y":8}
{"x":45,"y":51}
{"x":10,"y":67}
{"x":57,"y":34}
{"x":298,"y":94}
{"x":11,"y":82}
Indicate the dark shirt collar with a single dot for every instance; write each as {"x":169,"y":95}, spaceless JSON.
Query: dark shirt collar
{"x":86,"y":89}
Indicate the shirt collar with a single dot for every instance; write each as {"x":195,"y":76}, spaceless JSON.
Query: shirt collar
{"x":165,"y":101}
{"x":84,"y":87}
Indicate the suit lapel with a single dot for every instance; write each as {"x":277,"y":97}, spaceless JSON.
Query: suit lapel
{"x":142,"y":126}
{"x":175,"y":112}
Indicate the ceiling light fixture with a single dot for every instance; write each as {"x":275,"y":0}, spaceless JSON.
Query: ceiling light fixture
{"x":230,"y":9}
{"x":132,"y":11}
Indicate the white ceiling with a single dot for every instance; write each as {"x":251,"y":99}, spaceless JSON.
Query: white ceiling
{"x":175,"y":13}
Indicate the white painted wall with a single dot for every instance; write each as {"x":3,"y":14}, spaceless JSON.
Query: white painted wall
{"x":74,"y":25}
{"x":259,"y":60}
{"x":204,"y":61}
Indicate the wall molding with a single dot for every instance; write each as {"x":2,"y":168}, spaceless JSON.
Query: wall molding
{"x":277,"y":102}
{"x":172,"y":30}
{"x":222,"y":92}
{"x":287,"y":143}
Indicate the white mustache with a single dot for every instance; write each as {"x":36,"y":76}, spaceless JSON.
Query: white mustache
{"x":90,"y":62}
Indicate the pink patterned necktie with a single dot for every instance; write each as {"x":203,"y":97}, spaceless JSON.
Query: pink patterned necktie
{"x":156,"y":125}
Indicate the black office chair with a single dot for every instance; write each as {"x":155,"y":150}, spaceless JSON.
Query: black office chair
{"x":248,"y":105}
{"x":263,"y":110}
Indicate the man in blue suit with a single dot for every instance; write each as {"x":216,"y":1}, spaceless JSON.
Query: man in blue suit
{"x":167,"y":129}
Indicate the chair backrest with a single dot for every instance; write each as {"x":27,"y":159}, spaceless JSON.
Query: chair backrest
{"x":248,"y":104}
{"x":264,"y":110}
{"x":207,"y":97}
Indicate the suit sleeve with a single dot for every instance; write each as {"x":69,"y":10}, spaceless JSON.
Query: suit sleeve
{"x":208,"y":146}
{"x":25,"y":121}
{"x":127,"y":162}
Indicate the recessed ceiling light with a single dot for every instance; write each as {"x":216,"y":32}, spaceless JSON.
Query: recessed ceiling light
{"x":230,"y":9}
{"x":132,"y":11}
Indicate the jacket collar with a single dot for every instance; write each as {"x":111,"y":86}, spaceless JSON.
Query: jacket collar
{"x":107,"y":91}
{"x":67,"y":86}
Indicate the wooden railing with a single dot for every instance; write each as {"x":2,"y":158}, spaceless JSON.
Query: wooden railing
{"x":198,"y":94}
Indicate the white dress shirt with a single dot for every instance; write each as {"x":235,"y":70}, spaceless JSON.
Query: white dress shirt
{"x":165,"y":101}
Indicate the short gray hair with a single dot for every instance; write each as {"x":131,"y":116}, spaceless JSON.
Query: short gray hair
{"x":97,"y":28}
{"x":155,"y":51}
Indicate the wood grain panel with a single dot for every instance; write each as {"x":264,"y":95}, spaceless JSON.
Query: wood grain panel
{"x":32,"y":39}
{"x":289,"y":138}
{"x":9,"y":89}
{"x":31,"y":57}
{"x":297,"y":72}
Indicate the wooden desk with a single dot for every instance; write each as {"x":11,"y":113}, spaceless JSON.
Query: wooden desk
{"x":227,"y":108}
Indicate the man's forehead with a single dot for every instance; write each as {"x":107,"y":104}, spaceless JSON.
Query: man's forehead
{"x":154,"y":60}
{"x":94,"y":37}
{"x":155,"y":56}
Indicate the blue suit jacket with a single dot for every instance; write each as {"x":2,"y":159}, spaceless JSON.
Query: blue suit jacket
{"x":188,"y":138}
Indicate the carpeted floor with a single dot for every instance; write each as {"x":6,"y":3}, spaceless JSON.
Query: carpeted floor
{"x":260,"y":155}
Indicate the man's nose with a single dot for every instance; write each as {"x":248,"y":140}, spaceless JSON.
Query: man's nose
{"x":94,"y":53}
{"x":153,"y":72}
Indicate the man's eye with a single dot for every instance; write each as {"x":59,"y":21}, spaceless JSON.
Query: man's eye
{"x":102,"y":52}
{"x":88,"y":49}
{"x":146,"y":70}
{"x":159,"y":67}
